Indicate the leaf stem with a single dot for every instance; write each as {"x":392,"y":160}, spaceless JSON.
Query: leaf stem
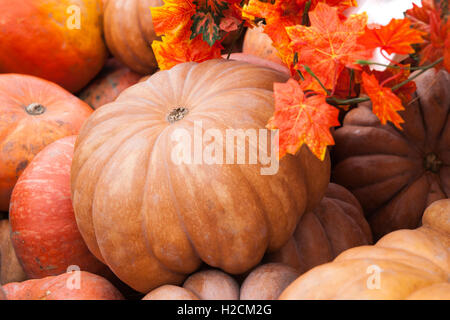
{"x":401,"y":84}
{"x":365,"y":62}
{"x":241,"y":28}
{"x":305,"y":13}
{"x":315,"y":77}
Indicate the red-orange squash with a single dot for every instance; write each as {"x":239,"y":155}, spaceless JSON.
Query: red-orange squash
{"x":337,"y":224}
{"x":133,"y":202}
{"x":33,"y":114}
{"x":44,"y":230}
{"x":129,"y":33}
{"x":259,"y":44}
{"x":113,"y":79}
{"x":57,"y":40}
{"x":395,"y":173}
{"x":10,"y":268}
{"x":265,"y":282}
{"x":405,"y":264}
{"x":78,"y":285}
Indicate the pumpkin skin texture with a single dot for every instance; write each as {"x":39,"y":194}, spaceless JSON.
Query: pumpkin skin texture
{"x":396,"y":174}
{"x":2,"y":294}
{"x":266,"y":282}
{"x":172,"y":224}
{"x":414,"y":264}
{"x":259,"y":44}
{"x":44,"y":230}
{"x":91,"y":287}
{"x":113,"y":79}
{"x":212,"y":285}
{"x":36,"y":40}
{"x":10,"y":268}
{"x":337,"y":224}
{"x":246,"y":57}
{"x":129,"y":33}
{"x":33,"y":114}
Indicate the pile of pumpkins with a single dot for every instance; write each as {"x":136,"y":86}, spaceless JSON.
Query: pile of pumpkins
{"x":97,"y":193}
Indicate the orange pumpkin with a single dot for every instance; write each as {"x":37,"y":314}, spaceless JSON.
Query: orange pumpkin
{"x":265,"y":282}
{"x":33,"y":114}
{"x":113,"y":79}
{"x":44,"y":231}
{"x":259,"y":44}
{"x":337,"y":224}
{"x":10,"y":268}
{"x":133,"y":203}
{"x":129,"y":33}
{"x":78,"y":285}
{"x":405,"y":264}
{"x":396,"y":174}
{"x":53,"y":40}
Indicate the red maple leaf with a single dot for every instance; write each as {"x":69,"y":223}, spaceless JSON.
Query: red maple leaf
{"x":329,"y":45}
{"x":385,"y":104}
{"x":302,"y":120}
{"x":171,"y":51}
{"x":396,"y":37}
{"x":205,"y":24}
{"x":174,"y":17}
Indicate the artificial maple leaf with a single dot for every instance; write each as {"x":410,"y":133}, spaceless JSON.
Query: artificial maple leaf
{"x":329,"y":45}
{"x":396,"y":37}
{"x":392,"y":77}
{"x":171,"y":51}
{"x":174,"y":17}
{"x":385,"y":104}
{"x":420,"y":16}
{"x":302,"y":120}
{"x":215,"y":7}
{"x":204,"y":24}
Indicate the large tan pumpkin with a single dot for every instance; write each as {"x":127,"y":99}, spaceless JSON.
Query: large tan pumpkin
{"x":129,"y":33}
{"x":337,"y":224}
{"x":405,"y":264}
{"x":396,"y":174}
{"x":153,"y":221}
{"x":265,"y":282}
{"x":259,"y":44}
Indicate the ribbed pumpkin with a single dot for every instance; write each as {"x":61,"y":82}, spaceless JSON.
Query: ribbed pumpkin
{"x":245,"y":57}
{"x":395,"y":173}
{"x":10,"y":268}
{"x":44,"y":230}
{"x":337,"y":224}
{"x":153,"y":221}
{"x":33,"y":114}
{"x":41,"y":38}
{"x":129,"y":33}
{"x":405,"y":264}
{"x":265,"y":282}
{"x":259,"y":44}
{"x":113,"y":79}
{"x":79,"y":285}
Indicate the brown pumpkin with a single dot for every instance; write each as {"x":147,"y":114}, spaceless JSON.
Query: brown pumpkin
{"x":161,"y":212}
{"x":265,"y":282}
{"x":33,"y":114}
{"x":405,"y":264}
{"x":2,"y":294}
{"x":42,"y":38}
{"x":259,"y":44}
{"x":395,"y":173}
{"x":78,"y":285}
{"x":337,"y":224}
{"x":10,"y":268}
{"x":113,"y":79}
{"x":129,"y":33}
{"x":44,"y":230}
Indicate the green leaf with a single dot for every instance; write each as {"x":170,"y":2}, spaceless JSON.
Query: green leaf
{"x":205,"y":24}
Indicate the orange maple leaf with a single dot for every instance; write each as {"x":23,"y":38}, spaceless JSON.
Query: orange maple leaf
{"x":385,"y":104}
{"x":329,"y":45}
{"x":171,"y":51}
{"x":174,"y":17}
{"x":396,"y":37}
{"x":302,"y":120}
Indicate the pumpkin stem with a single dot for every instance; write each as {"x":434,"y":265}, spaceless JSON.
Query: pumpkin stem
{"x":432,"y":163}
{"x":177,"y":114}
{"x":35,"y":109}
